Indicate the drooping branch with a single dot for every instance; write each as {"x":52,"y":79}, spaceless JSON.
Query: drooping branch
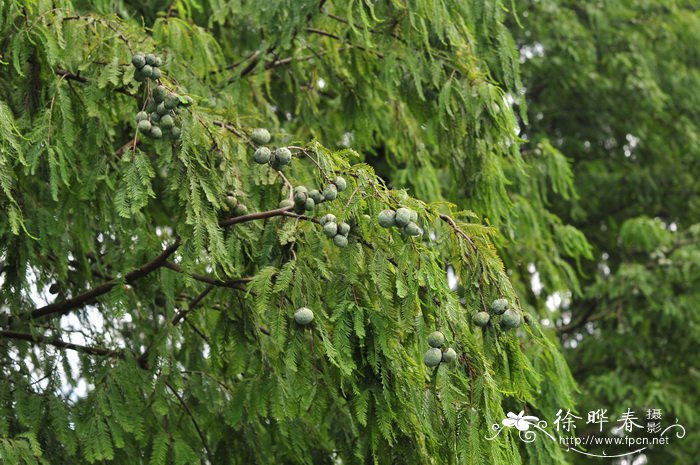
{"x":61,"y":344}
{"x":231,"y":283}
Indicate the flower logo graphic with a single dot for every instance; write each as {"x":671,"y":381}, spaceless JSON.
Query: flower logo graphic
{"x":520,"y":421}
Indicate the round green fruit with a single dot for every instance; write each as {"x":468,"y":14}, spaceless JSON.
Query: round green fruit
{"x":146,"y":70}
{"x":340,"y":183}
{"x":330,"y":192}
{"x":155,"y":117}
{"x":262,"y":155}
{"x":284,"y":156}
{"x":141,"y":116}
{"x":138,"y":60}
{"x":158,"y":61}
{"x":436,"y":339}
{"x":139,"y":75}
{"x":167,"y":122}
{"x":412,"y":229}
{"x":330,"y":229}
{"x":449,"y":355}
{"x":155,"y":73}
{"x":327,"y":218}
{"x":343,"y":229}
{"x":231,"y":201}
{"x":260,"y":136}
{"x":151,"y":59}
{"x":403,"y":217}
{"x":156,"y":132}
{"x":300,"y":198}
{"x":481,"y":318}
{"x":186,"y":101}
{"x":499,"y":306}
{"x":340,"y":240}
{"x":175,"y":132}
{"x":511,"y":319}
{"x":387,"y":218}
{"x":303,"y":316}
{"x":309,"y":205}
{"x":316,"y":195}
{"x":240,"y":210}
{"x":161,"y":110}
{"x":432,"y":357}
{"x":171,"y":101}
{"x":286,"y":203}
{"x":144,"y":126}
{"x":414,"y":216}
{"x":159,"y":93}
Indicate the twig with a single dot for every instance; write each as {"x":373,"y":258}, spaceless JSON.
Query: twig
{"x":61,"y":344}
{"x":194,"y":420}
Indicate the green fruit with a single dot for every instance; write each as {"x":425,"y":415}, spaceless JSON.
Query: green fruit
{"x":171,"y":101}
{"x":436,"y":339}
{"x":284,"y":156}
{"x":387,"y":218}
{"x":161,"y":110}
{"x":144,"y":126}
{"x":156,"y":132}
{"x":186,"y":101}
{"x":330,"y":192}
{"x":449,"y":355}
{"x":403,"y":217}
{"x":146,"y":70}
{"x":167,"y":122}
{"x":511,"y":319}
{"x":158,"y":61}
{"x":412,"y":229}
{"x":155,"y":73}
{"x":481,"y":318}
{"x":327,"y":218}
{"x":151,"y":106}
{"x":432,"y":357}
{"x":155,"y":117}
{"x":231,"y":201}
{"x":159,"y":93}
{"x":262,"y":155}
{"x":499,"y":306}
{"x":330,"y":229}
{"x":303,"y":316}
{"x":141,"y":116}
{"x":138,"y":60}
{"x":300,"y":198}
{"x":286,"y":203}
{"x":260,"y":136}
{"x":175,"y":132}
{"x":340,"y":183}
{"x":343,"y":229}
{"x":301,"y":189}
{"x":240,"y":210}
{"x":414,"y":216}
{"x":151,"y":59}
{"x":340,"y":241}
{"x":316,"y":195}
{"x":309,"y":205}
{"x":139,"y":75}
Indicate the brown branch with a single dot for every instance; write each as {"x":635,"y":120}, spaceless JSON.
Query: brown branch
{"x":65,"y":306}
{"x":61,"y":344}
{"x":254,"y":216}
{"x":231,"y":283}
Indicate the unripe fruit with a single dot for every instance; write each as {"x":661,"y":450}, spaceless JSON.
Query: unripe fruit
{"x":449,"y":355}
{"x":436,"y":339}
{"x":146,"y":70}
{"x":175,"y":132}
{"x":139,"y":75}
{"x":167,"y":122}
{"x":158,"y":61}
{"x":499,"y":306}
{"x":412,"y":229}
{"x":432,"y":357}
{"x":159,"y":94}
{"x":286,"y":203}
{"x":140,"y":116}
{"x":155,"y":117}
{"x":481,"y":318}
{"x":340,"y":240}
{"x":156,"y":132}
{"x":138,"y":60}
{"x":186,"y":101}
{"x":343,"y":228}
{"x":340,"y":183}
{"x":414,"y":216}
{"x":403,"y":217}
{"x":387,"y":218}
{"x":260,"y":136}
{"x":262,"y":155}
{"x":303,"y":316}
{"x":300,"y":198}
{"x":161,"y":110}
{"x":309,"y":205}
{"x":301,"y":189}
{"x":171,"y":101}
{"x":330,"y":192}
{"x":144,"y":126}
{"x":231,"y":201}
{"x":151,"y":59}
{"x":511,"y":319}
{"x":155,"y":73}
{"x":327,"y":218}
{"x":316,"y":195}
{"x":240,"y":210}
{"x":330,"y":229}
{"x":284,"y":156}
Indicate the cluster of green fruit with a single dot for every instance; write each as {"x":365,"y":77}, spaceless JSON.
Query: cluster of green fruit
{"x":434,"y":356}
{"x":337,"y":231}
{"x":232,"y":204}
{"x":404,"y":218}
{"x":263,"y":155}
{"x":510,"y":319}
{"x":303,"y":316}
{"x":147,"y":66}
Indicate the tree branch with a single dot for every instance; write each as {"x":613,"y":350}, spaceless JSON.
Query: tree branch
{"x":231,"y":283}
{"x":61,"y":344}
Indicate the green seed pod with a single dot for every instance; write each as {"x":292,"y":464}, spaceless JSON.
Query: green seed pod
{"x":186,"y":101}
{"x":140,"y":116}
{"x":343,"y":228}
{"x":301,"y":189}
{"x":309,"y":205}
{"x":158,"y":61}
{"x":144,"y":126}
{"x":286,"y":203}
{"x":138,"y":60}
{"x":146,"y":70}
{"x":156,"y":132}
{"x":412,"y":229}
{"x":330,"y":192}
{"x":231,"y":201}
{"x":300,"y":198}
{"x":240,"y":210}
{"x":171,"y":101}
{"x":403,"y":217}
{"x":161,"y":110}
{"x":262,"y":155}
{"x":151,"y":59}
{"x":481,"y":318}
{"x":387,"y":218}
{"x":155,"y":73}
{"x":341,"y":241}
{"x":449,"y":355}
{"x":303,"y":316}
{"x":151,"y":106}
{"x":260,"y":136}
{"x":167,"y":122}
{"x":432,"y":357}
{"x":139,"y":75}
{"x":436,"y":339}
{"x":330,"y":229}
{"x":340,"y":183}
{"x":499,"y":306}
{"x":316,"y":195}
{"x":284,"y":156}
{"x":175,"y":132}
{"x":414,"y":216}
{"x":159,"y":93}
{"x":327,"y":218}
{"x":511,"y":319}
